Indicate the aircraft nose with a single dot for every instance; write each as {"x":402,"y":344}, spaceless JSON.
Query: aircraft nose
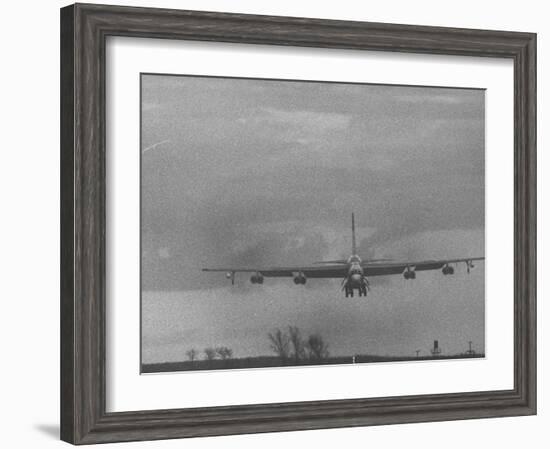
{"x":356,"y":278}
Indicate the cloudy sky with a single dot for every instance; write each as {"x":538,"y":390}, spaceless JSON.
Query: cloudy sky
{"x":240,"y":172}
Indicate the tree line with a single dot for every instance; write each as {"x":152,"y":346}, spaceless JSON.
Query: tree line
{"x":290,"y":346}
{"x":209,"y":354}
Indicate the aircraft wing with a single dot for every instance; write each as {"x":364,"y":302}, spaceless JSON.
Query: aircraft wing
{"x":317,"y":271}
{"x":387,"y":268}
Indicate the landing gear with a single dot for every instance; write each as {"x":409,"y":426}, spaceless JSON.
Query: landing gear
{"x":349,"y":291}
{"x":361,"y":291}
{"x":362,"y":287}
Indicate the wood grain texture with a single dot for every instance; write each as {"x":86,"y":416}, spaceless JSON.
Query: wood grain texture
{"x":67,"y":224}
{"x":84,"y":29}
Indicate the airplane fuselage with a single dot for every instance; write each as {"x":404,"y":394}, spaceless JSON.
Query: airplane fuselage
{"x":355,"y":272}
{"x":356,"y":279}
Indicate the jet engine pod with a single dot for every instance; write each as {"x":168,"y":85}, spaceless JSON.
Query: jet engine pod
{"x":409,"y":274}
{"x":448,"y":270}
{"x":300,"y":278}
{"x":257,"y":278}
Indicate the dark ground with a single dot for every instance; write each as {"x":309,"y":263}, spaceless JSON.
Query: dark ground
{"x":269,"y":361}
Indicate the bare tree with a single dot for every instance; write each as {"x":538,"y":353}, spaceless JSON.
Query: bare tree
{"x":192,"y":354}
{"x":279,"y":343}
{"x":318,"y":349}
{"x":297,"y":343}
{"x":224,"y":352}
{"x":210,"y":354}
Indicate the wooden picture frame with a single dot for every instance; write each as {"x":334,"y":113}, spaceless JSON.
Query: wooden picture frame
{"x":84,"y":29}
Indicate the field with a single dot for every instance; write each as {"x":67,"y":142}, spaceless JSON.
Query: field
{"x":269,"y":362}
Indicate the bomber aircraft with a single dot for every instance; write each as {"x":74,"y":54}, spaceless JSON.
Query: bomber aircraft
{"x":353,"y":271}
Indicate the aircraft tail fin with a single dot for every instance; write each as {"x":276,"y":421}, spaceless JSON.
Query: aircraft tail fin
{"x":353,"y":246}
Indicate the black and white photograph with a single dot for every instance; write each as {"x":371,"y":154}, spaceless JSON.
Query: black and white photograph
{"x":294,"y":222}
{"x":275,"y":224}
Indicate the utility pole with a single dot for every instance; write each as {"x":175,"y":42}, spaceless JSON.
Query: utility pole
{"x":436,"y":350}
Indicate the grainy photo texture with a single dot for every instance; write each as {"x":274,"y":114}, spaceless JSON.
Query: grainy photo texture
{"x":289,"y":223}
